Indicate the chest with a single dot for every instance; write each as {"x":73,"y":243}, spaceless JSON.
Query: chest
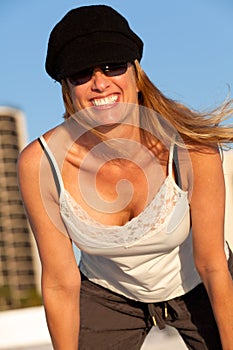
{"x":113,"y":193}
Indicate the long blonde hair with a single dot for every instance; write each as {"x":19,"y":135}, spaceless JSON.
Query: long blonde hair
{"x":195,"y":128}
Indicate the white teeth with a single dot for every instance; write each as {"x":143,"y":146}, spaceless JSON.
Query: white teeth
{"x":104,"y":101}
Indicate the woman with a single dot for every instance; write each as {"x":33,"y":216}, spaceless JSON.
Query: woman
{"x":135,"y":180}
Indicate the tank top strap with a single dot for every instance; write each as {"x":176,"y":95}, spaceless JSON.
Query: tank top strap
{"x":53,"y":164}
{"x":173,"y":163}
{"x":170,"y":159}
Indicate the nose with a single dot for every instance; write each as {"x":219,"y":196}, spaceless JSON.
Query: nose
{"x":99,"y":80}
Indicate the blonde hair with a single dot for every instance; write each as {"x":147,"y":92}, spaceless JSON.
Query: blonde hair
{"x":195,"y":128}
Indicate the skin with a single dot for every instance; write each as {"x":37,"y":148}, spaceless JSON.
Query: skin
{"x":99,"y":94}
{"x":60,"y":273}
{"x":208,"y":239}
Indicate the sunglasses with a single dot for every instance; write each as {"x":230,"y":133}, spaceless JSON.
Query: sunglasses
{"x":110,"y":70}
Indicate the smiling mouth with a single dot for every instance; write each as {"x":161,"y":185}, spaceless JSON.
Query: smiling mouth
{"x":102,"y":102}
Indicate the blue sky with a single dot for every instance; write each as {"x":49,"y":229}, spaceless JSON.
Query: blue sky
{"x":188,"y":52}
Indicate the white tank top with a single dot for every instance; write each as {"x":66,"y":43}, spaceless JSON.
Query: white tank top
{"x":150,"y":257}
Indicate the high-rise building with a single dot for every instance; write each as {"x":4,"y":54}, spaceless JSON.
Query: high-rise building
{"x":18,"y":277}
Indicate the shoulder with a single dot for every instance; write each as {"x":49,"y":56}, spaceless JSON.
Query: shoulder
{"x":205,"y":170}
{"x":30,"y":157}
{"x":29,"y":165}
{"x":35,"y":183}
{"x":206,"y":159}
{"x":28,"y":169}
{"x":207,"y":174}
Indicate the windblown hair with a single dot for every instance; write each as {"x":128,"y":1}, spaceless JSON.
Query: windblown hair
{"x":195,"y":128}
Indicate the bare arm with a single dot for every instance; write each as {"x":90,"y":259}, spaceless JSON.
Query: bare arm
{"x":60,"y":274}
{"x":207,"y":211}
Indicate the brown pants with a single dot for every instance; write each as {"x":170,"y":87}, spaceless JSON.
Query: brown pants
{"x":112,"y":322}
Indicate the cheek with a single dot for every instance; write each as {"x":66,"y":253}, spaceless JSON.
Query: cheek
{"x":77,"y":97}
{"x":76,"y":93}
{"x":133,"y":88}
{"x":132,"y":83}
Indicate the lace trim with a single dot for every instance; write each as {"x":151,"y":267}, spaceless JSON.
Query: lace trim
{"x":86,"y":231}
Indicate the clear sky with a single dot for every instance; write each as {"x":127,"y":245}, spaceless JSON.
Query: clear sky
{"x":188,"y":52}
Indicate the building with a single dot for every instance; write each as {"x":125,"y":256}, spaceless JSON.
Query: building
{"x":18,"y":278}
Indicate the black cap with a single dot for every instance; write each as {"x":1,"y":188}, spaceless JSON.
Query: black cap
{"x":88,"y":36}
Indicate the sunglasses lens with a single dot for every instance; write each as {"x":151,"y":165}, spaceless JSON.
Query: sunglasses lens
{"x":113,"y":70}
{"x":81,"y":78}
{"x":110,"y":70}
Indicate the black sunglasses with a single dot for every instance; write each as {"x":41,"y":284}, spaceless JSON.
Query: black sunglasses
{"x":110,"y":70}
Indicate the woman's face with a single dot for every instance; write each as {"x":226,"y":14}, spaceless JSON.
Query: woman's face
{"x":104,"y":94}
